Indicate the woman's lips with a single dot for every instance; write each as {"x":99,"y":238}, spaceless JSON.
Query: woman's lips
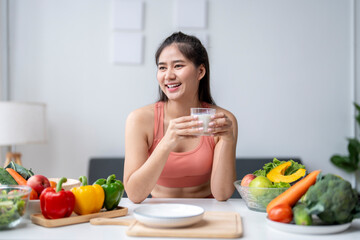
{"x":173,"y":87}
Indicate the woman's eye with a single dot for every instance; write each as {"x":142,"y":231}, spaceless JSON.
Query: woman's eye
{"x":179,"y":66}
{"x":161,"y":68}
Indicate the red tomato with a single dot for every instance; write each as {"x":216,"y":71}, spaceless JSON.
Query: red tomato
{"x":281,"y":213}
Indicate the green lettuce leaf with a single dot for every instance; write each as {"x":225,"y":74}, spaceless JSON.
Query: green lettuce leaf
{"x":25,"y":173}
{"x":271,"y":165}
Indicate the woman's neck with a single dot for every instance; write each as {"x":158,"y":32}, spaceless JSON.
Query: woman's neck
{"x":175,"y":109}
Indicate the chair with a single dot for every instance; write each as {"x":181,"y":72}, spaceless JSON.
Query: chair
{"x":101,"y":167}
{"x":249,"y":165}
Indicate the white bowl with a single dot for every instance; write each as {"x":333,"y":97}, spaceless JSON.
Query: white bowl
{"x":168,"y":215}
{"x":70,"y":183}
{"x":33,"y":208}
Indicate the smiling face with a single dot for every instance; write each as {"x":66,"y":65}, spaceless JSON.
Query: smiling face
{"x":178,"y":77}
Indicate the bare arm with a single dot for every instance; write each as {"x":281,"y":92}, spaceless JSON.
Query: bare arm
{"x":224,"y":172}
{"x":140,"y":175}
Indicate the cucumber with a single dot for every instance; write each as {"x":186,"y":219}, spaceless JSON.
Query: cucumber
{"x":301,"y":215}
{"x":6,"y":178}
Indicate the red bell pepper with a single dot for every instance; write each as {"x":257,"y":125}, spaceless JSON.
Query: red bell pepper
{"x":57,"y":203}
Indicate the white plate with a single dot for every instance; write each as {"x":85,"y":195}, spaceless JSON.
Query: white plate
{"x":32,"y":208}
{"x":314,"y":229}
{"x":168,"y":215}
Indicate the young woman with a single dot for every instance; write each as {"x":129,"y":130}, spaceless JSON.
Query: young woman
{"x":163,"y":155}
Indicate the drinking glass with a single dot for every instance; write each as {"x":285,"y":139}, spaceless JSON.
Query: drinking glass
{"x":203,"y":114}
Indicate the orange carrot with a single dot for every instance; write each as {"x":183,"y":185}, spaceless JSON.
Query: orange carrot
{"x":18,"y":178}
{"x":295,"y":192}
{"x":22,"y":181}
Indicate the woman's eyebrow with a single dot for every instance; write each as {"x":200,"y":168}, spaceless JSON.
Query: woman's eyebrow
{"x":178,"y":61}
{"x":173,"y":62}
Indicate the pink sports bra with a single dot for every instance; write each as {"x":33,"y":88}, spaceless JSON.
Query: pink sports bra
{"x":183,"y":169}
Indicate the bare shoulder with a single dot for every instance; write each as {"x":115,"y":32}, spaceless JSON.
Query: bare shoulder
{"x":141,"y":115}
{"x":140,"y":124}
{"x":227,"y":112}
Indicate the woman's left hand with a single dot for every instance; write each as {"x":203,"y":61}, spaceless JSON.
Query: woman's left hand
{"x":222,"y":126}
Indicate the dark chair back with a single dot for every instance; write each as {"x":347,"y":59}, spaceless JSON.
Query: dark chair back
{"x":103,"y":167}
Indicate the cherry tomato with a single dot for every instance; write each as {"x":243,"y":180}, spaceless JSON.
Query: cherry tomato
{"x":281,"y":213}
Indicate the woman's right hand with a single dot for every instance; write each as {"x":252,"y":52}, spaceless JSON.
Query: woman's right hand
{"x":182,"y":128}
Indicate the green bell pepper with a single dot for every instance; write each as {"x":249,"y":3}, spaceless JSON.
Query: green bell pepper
{"x":114,"y":190}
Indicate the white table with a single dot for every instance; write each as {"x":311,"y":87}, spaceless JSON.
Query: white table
{"x":254,"y":225}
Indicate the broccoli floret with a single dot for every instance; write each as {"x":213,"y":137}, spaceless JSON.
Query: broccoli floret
{"x":332,"y":199}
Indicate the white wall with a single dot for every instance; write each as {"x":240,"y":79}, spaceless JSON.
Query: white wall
{"x":3,"y":58}
{"x":284,"y":68}
{"x":3,"y":49}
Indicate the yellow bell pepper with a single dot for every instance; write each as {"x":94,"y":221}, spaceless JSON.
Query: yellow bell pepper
{"x":277,"y":174}
{"x":88,"y":198}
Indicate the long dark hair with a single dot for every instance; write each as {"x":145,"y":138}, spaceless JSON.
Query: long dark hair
{"x":192,"y":49}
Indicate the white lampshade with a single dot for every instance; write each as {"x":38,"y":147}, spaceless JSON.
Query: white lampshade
{"x":22,"y":123}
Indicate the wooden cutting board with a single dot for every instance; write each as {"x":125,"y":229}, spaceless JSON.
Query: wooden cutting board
{"x":213,"y":225}
{"x":39,"y":219}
